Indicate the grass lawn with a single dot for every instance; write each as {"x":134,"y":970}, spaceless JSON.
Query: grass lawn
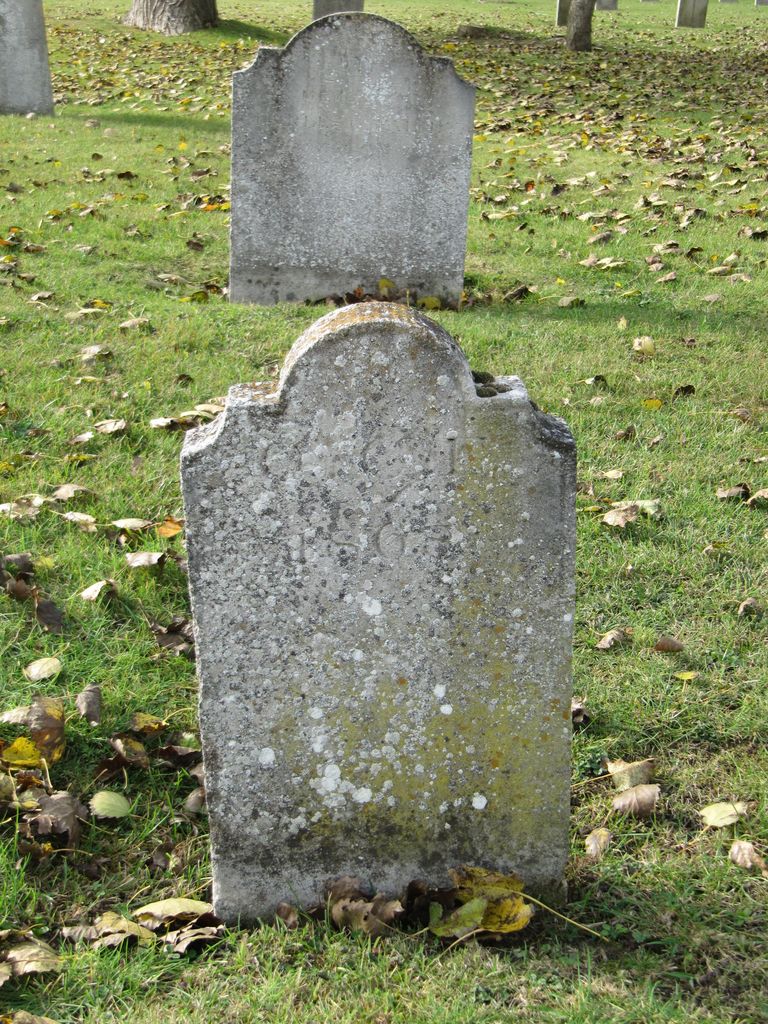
{"x":118,"y":205}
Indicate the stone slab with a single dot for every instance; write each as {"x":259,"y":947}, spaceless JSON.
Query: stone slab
{"x":351,"y":156}
{"x":561,"y":13}
{"x":607,"y":5}
{"x":381,"y":566}
{"x":691,"y":14}
{"x":322,"y":8}
{"x":25,"y":77}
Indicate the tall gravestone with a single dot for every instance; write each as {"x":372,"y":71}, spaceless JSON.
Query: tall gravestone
{"x":382,"y":576}
{"x":322,"y":8}
{"x":691,"y":13}
{"x":561,"y":12}
{"x":25,"y":77}
{"x":351,"y":154}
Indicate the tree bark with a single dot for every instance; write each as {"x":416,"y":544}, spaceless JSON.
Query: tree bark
{"x":579,"y":35}
{"x":172,"y":17}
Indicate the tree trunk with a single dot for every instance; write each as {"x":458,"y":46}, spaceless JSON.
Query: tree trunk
{"x":579,"y":35}
{"x":173,"y":17}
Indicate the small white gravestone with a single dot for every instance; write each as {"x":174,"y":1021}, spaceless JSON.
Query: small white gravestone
{"x":351,"y":156}
{"x":322,"y":8}
{"x":561,"y":12}
{"x":25,"y":77}
{"x":691,"y":13}
{"x":381,"y":565}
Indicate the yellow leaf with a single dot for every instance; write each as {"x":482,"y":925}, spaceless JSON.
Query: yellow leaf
{"x":22,"y":753}
{"x":507,"y":915}
{"x":652,"y":403}
{"x":430,"y":302}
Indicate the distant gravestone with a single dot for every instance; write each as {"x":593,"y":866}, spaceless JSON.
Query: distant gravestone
{"x":607,"y":5}
{"x":761,"y":3}
{"x":381,"y":565}
{"x":322,"y":8}
{"x":561,"y":12}
{"x":351,"y":155}
{"x":25,"y":77}
{"x":691,"y":14}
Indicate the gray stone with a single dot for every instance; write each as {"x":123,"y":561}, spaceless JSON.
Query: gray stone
{"x":691,"y":14}
{"x":761,"y":3}
{"x":561,"y":12}
{"x":351,"y":155}
{"x":381,"y":565}
{"x":607,"y":5}
{"x":25,"y":77}
{"x":322,"y":8}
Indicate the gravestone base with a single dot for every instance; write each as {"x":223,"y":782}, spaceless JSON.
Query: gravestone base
{"x":25,"y":77}
{"x":691,"y":14}
{"x":381,"y":566}
{"x":322,"y":8}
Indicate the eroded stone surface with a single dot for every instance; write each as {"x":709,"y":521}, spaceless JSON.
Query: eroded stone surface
{"x":351,"y":154}
{"x":382,"y":577}
{"x":322,"y":8}
{"x":691,"y":14}
{"x":25,"y":78}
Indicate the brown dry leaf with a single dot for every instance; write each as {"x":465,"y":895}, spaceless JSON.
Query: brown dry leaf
{"x":60,"y":814}
{"x":112,"y":929}
{"x":740,"y":492}
{"x":30,"y":956}
{"x":106,"y":588}
{"x":183,"y":939}
{"x":750,"y":607}
{"x":614,"y":638}
{"x":639,"y":801}
{"x":644,"y":345}
{"x":83,"y":438}
{"x":759,"y":498}
{"x":744,"y":855}
{"x":136,"y":323}
{"x":134,"y":525}
{"x":721,"y":815}
{"x":570,"y":302}
{"x":195,"y":803}
{"x":580,"y":716}
{"x":623,"y":516}
{"x":668,"y":645}
{"x":146,"y":724}
{"x":81,"y":519}
{"x":43,"y":668}
{"x":174,"y":911}
{"x":288,"y":915}
{"x":177,"y":637}
{"x":597,"y":842}
{"x":19,"y":509}
{"x":145,"y":559}
{"x":626,"y":774}
{"x":44,"y":718}
{"x":88,"y":703}
{"x":48,"y":615}
{"x":68,"y":491}
{"x":22,"y":1017}
{"x":373,"y":918}
{"x":19,"y":565}
{"x":178,"y":756}
{"x":91,"y":353}
{"x":170,"y":527}
{"x":110,"y":426}
{"x":130,"y":749}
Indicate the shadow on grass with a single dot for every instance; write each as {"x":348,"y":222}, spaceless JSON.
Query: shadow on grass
{"x":232,"y":29}
{"x":219,"y":127}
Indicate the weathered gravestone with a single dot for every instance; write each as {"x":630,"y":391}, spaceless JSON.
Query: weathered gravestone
{"x":561,"y":12}
{"x":25,"y":77}
{"x":607,"y":5}
{"x":382,"y":577}
{"x":761,"y":3}
{"x":351,"y":153}
{"x":691,"y":13}
{"x":322,"y":8}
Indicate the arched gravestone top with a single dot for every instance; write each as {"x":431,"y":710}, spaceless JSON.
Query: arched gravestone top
{"x":351,"y":157}
{"x":381,"y":571}
{"x":25,"y":77}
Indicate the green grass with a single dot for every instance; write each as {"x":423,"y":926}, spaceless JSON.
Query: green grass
{"x":651,"y":112}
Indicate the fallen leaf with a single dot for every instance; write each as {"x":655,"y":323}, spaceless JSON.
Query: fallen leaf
{"x":759,"y":498}
{"x":48,"y":615}
{"x":44,"y":718}
{"x":88,"y":703}
{"x":130,"y":749}
{"x":146,"y":724}
{"x":580,"y":716}
{"x":570,"y":302}
{"x":60,"y":814}
{"x":644,"y":345}
{"x":721,"y":815}
{"x":31,"y":956}
{"x":626,"y":774}
{"x":110,"y":426}
{"x":145,"y":559}
{"x":136,"y":323}
{"x":614,"y":638}
{"x":134,"y":525}
{"x":170,"y":527}
{"x":171,"y":911}
{"x":288,"y":914}
{"x":622,"y":516}
{"x":81,"y":519}
{"x":460,"y":922}
{"x":68,"y":491}
{"x":668,"y":645}
{"x":740,"y":492}
{"x":107,"y":588}
{"x":639,"y":801}
{"x":596,"y":843}
{"x":744,"y":855}
{"x":750,"y":607}
{"x":109,"y":804}
{"x":43,"y":668}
